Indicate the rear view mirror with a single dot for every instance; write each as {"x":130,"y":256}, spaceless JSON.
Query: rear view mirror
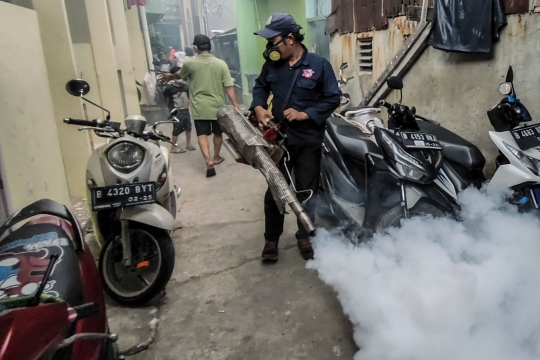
{"x":344,"y":66}
{"x":77,"y":87}
{"x":395,"y":83}
{"x":510,"y":74}
{"x":505,"y":88}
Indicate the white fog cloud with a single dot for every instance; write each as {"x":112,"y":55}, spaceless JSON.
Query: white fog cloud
{"x":440,"y":289}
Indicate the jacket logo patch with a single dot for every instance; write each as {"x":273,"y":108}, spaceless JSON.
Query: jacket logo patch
{"x":308,"y":73}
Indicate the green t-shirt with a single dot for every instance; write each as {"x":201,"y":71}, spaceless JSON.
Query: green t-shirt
{"x":207,"y":77}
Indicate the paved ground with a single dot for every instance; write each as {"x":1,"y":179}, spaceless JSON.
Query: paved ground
{"x":221,"y":302}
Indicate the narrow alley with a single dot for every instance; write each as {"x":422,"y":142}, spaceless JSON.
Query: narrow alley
{"x":222,"y":302}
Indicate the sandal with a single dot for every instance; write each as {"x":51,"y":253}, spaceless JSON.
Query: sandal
{"x":221,"y":159}
{"x":210,"y":171}
{"x":190,"y":148}
{"x":178,"y":151}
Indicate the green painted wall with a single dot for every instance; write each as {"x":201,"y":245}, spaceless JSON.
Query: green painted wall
{"x":156,"y":6}
{"x":251,"y":46}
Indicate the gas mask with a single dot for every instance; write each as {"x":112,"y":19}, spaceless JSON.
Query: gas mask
{"x":272,"y":52}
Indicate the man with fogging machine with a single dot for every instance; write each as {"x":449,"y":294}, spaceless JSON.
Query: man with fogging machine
{"x":305,"y":93}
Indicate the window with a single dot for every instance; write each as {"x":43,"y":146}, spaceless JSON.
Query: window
{"x":365,"y":54}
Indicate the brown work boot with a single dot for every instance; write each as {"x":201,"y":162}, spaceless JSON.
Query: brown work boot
{"x":270,"y":251}
{"x":305,"y":248}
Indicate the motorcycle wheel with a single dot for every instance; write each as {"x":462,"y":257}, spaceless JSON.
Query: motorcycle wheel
{"x":151,"y":266}
{"x":393,"y":217}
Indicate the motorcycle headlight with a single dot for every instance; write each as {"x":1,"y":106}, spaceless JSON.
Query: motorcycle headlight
{"x":125,"y":157}
{"x":530,"y":162}
{"x":409,"y":172}
{"x":406,"y":164}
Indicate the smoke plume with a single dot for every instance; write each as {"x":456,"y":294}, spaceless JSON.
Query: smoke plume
{"x":440,"y":288}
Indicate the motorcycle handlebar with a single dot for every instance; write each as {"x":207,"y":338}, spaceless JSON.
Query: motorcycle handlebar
{"x":385,"y":104}
{"x":85,"y":310}
{"x":71,"y":121}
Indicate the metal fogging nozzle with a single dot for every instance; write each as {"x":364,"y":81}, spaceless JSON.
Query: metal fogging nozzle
{"x":303,"y":217}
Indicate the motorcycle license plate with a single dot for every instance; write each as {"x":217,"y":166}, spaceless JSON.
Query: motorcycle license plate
{"x":527,"y":137}
{"x":420,"y":140}
{"x":109,"y":197}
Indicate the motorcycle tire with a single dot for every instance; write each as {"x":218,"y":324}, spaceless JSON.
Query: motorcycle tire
{"x":393,"y":217}
{"x":148,"y":274}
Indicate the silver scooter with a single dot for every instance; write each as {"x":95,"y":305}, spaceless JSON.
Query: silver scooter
{"x":129,"y":184}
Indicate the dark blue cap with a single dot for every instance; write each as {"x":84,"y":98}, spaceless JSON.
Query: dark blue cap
{"x":277,"y":24}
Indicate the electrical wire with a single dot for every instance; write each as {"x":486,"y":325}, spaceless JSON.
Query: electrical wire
{"x":288,"y":158}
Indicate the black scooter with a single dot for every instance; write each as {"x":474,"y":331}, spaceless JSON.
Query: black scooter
{"x":413,"y":168}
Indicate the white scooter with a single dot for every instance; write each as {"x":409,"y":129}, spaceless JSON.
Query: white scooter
{"x":133,"y":200}
{"x":366,"y":118}
{"x":518,"y":164}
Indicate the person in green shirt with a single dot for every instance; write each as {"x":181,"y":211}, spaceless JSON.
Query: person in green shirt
{"x":209,"y":79}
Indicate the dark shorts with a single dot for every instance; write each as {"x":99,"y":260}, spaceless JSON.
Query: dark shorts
{"x":207,"y":127}
{"x":184,"y":123}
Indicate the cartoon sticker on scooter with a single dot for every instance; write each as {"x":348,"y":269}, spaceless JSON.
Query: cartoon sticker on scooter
{"x":21,"y":274}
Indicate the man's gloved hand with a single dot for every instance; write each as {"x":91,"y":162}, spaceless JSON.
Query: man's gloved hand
{"x":262,"y":115}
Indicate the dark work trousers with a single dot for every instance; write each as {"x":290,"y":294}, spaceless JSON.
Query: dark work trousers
{"x":304,"y":165}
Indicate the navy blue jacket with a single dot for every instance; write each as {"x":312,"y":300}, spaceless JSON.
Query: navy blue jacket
{"x":316,"y":93}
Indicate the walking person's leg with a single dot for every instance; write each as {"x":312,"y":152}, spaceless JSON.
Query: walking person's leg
{"x":273,"y":228}
{"x":204,"y":130}
{"x":218,"y":141}
{"x":189,"y":146}
{"x":177,"y":130}
{"x":188,"y":141}
{"x":273,"y":218}
{"x":306,"y":173}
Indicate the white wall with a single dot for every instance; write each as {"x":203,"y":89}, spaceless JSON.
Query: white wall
{"x":28,"y":134}
{"x":60,"y":61}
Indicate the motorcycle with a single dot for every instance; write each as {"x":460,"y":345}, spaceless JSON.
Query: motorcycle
{"x":50,"y":291}
{"x":377,"y":178}
{"x":463,"y":162}
{"x":518,"y":162}
{"x":133,"y":201}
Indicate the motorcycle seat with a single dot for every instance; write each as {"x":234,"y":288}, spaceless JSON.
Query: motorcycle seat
{"x":454,"y":147}
{"x":355,"y":108}
{"x":24,"y":257}
{"x":350,"y":140}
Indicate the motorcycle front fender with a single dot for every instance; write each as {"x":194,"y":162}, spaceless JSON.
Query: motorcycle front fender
{"x":149,"y":214}
{"x":508,"y":176}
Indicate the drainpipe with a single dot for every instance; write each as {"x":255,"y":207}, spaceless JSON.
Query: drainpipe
{"x":147,"y":46}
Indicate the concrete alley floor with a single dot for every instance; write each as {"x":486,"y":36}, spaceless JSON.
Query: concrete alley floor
{"x":222,"y":302}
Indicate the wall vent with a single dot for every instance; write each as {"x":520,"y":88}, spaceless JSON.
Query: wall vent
{"x":365,"y":54}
